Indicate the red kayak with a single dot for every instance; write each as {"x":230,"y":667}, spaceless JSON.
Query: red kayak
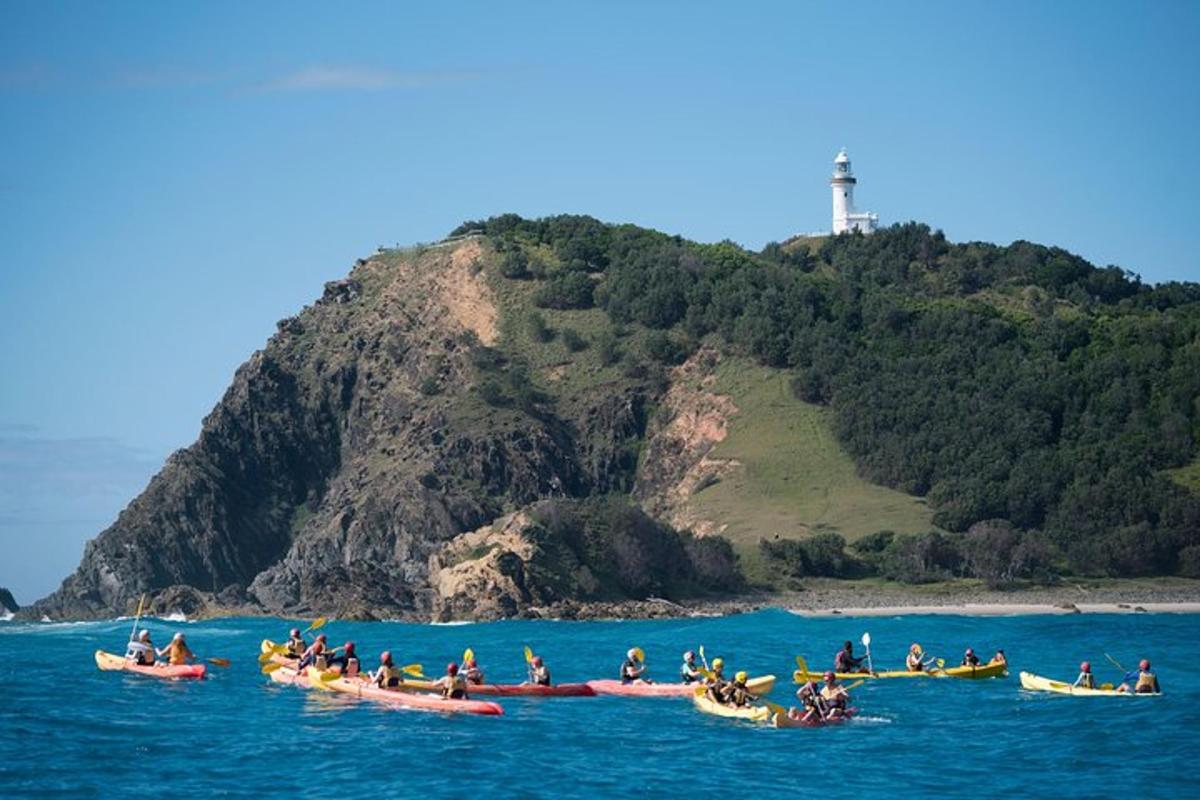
{"x":115,"y":663}
{"x":761,"y":685}
{"x":511,"y":689}
{"x":779,"y":720}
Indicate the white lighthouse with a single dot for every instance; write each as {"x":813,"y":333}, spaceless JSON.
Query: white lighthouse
{"x":845,"y":218}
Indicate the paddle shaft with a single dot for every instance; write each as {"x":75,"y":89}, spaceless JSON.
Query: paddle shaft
{"x":137,"y":618}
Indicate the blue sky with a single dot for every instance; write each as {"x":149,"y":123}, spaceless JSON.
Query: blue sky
{"x":174,"y":178}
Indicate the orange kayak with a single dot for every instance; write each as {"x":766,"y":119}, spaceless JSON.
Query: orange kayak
{"x":115,"y":663}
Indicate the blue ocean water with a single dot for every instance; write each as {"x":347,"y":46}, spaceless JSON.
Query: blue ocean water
{"x":67,"y":728}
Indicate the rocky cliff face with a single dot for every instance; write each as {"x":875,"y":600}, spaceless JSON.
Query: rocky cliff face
{"x":348,"y":455}
{"x":7,"y":602}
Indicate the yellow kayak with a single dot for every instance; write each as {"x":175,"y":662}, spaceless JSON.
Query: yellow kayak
{"x":752,"y":713}
{"x":1036,"y":683}
{"x":970,"y":673}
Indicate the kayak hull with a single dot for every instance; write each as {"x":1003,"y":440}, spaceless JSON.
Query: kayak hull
{"x":750,"y":713}
{"x":114,"y":663}
{"x":368,"y":691}
{"x":760,"y":685}
{"x":1036,"y":683}
{"x":510,"y":689}
{"x":969,"y":673}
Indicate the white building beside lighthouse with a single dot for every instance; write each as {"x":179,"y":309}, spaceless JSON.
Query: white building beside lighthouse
{"x":845,"y":218}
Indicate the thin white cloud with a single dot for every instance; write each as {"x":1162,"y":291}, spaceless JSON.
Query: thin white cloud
{"x":360,"y":79}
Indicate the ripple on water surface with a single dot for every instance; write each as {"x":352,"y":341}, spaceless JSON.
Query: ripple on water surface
{"x":78,"y":730}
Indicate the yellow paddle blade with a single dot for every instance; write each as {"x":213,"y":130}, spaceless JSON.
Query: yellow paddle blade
{"x":855,"y":685}
{"x":317,"y":680}
{"x":413,"y":669}
{"x":468,"y":655}
{"x":802,"y":664}
{"x":641,"y":655}
{"x":220,"y":662}
{"x":327,"y":675}
{"x":1108,"y":687}
{"x":941,"y":663}
{"x":264,"y":657}
{"x":269,"y":668}
{"x":775,"y":707}
{"x":317,"y":623}
{"x":528,"y":654}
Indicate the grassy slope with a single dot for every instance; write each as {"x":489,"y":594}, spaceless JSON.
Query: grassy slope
{"x":1188,"y":476}
{"x":795,"y":477}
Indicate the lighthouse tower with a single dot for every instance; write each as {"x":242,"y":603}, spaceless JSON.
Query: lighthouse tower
{"x":845,"y":218}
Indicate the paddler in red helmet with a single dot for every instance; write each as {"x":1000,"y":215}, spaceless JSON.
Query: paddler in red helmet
{"x":314,"y":655}
{"x":472,"y":671}
{"x":1085,"y":680}
{"x":1143,"y":681}
{"x":453,"y":685}
{"x":388,"y":676}
{"x":345,"y":659}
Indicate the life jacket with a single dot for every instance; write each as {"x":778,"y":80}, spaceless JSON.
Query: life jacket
{"x":142,"y":653}
{"x":737,"y":694}
{"x":475,"y":675}
{"x":914,"y":663}
{"x":455,"y":687}
{"x":178,"y":653}
{"x":833,"y":696}
{"x":296,"y":647}
{"x":1086,"y":680}
{"x":350,"y":666}
{"x":687,"y":673}
{"x":390,"y":677}
{"x":1147,"y":683}
{"x":629,"y":671}
{"x":541,"y":676}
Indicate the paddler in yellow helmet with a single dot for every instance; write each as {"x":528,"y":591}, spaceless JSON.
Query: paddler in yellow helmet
{"x":715,"y":682}
{"x":913,"y":662}
{"x":177,"y":652}
{"x":737,"y":694}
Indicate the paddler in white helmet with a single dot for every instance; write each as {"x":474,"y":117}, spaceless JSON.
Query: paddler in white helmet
{"x":688,"y":671}
{"x":633,"y":668}
{"x":913,"y":662}
{"x":177,"y":652}
{"x":141,"y":650}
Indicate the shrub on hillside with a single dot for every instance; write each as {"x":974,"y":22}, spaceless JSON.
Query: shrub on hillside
{"x":573,"y":340}
{"x":566,"y":290}
{"x":919,"y":558}
{"x":539,"y":331}
{"x":822,"y":555}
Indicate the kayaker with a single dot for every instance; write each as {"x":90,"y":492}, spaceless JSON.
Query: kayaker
{"x":141,"y":650}
{"x":388,"y":676}
{"x":177,"y":651}
{"x":1142,"y":679}
{"x":539,"y":673}
{"x":689,"y":672}
{"x":715,"y":682}
{"x":632,"y":668}
{"x":970,"y":659}
{"x":344,"y":659}
{"x":913,"y":662}
{"x":737,"y":694}
{"x":452,"y":685}
{"x":835,"y":696}
{"x":295,"y":644}
{"x":473,"y":672}
{"x":314,"y":654}
{"x":812,"y":706}
{"x":1085,"y":680}
{"x":999,"y":658}
{"x":845,"y":661}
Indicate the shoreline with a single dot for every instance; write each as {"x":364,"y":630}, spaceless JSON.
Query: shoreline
{"x":999,"y":609}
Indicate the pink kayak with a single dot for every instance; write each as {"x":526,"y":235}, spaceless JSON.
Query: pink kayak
{"x":369,"y":691}
{"x":761,"y":685}
{"x":115,"y":663}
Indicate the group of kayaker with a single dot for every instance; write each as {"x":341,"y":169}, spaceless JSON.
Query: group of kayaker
{"x":1138,"y":681}
{"x":914,"y":661}
{"x":455,"y":683}
{"x":141,"y":650}
{"x":822,"y":703}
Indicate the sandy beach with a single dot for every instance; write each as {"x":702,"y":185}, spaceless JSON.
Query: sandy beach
{"x":1001,"y":609}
